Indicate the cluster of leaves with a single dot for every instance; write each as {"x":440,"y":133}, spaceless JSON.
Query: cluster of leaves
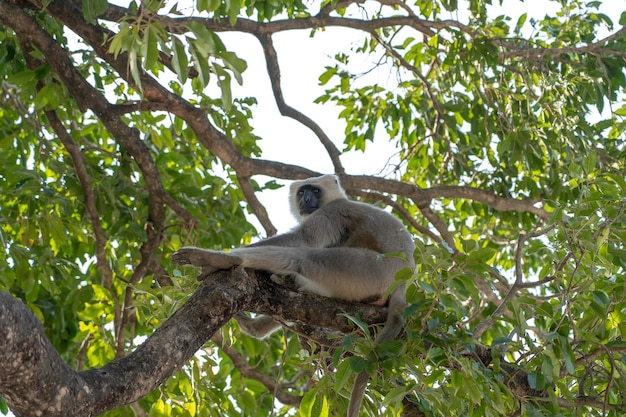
{"x":518,"y":108}
{"x":490,"y":111}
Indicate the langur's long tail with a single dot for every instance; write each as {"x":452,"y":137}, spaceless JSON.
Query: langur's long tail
{"x":392,"y":328}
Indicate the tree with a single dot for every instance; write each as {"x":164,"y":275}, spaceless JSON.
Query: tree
{"x":122,"y":140}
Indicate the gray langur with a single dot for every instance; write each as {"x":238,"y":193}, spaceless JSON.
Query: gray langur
{"x":342,"y":249}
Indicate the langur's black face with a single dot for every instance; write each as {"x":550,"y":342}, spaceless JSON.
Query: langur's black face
{"x":309,"y":199}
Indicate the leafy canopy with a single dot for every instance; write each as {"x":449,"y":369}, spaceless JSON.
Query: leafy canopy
{"x":122,"y":140}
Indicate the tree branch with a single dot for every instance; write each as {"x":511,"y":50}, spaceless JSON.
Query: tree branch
{"x":78,"y":160}
{"x":536,"y":54}
{"x":399,"y":209}
{"x":273,"y":70}
{"x":256,"y":206}
{"x":179,"y":24}
{"x":35,"y":379}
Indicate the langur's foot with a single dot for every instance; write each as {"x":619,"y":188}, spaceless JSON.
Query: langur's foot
{"x":209,"y":260}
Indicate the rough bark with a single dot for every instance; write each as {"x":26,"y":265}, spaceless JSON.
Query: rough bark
{"x":36,"y":382}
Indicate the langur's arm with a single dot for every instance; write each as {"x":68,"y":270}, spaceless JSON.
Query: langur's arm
{"x":318,"y":231}
{"x":292,"y":239}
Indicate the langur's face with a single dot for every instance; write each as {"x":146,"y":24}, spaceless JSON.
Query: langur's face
{"x":309,"y":199}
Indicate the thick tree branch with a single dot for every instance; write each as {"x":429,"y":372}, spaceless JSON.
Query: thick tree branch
{"x":527,"y":205}
{"x":539,"y":54}
{"x":35,"y":378}
{"x":287,"y":305}
{"x":423,"y":196}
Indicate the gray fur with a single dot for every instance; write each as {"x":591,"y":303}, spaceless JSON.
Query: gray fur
{"x":336,"y":251}
{"x":259,"y":327}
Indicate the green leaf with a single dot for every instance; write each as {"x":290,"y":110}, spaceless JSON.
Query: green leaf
{"x":150,"y":49}
{"x":362,"y":325}
{"x":4,"y":408}
{"x":214,"y":5}
{"x":601,"y":298}
{"x":520,"y":22}
{"x":208,"y":43}
{"x":134,"y":68}
{"x":324,"y":410}
{"x":590,"y":161}
{"x":223,"y":80}
{"x":536,"y":380}
{"x":201,"y":64}
{"x":327,"y":75}
{"x":208,"y":5}
{"x":482,"y":254}
{"x":180,"y":61}
{"x":342,"y":375}
{"x":395,"y":396}
{"x":622,"y":110}
{"x":358,"y":364}
{"x":235,"y":64}
{"x":94,"y":8}
{"x":160,"y":409}
{"x":48,"y":97}
{"x":233,"y":11}
{"x":307,"y":405}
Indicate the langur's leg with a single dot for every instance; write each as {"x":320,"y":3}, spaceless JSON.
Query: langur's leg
{"x":352,"y":274}
{"x":209,"y":260}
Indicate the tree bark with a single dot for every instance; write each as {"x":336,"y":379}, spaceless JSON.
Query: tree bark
{"x":36,"y":382}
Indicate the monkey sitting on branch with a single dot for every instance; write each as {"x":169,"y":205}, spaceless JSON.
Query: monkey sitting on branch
{"x":342,"y":249}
